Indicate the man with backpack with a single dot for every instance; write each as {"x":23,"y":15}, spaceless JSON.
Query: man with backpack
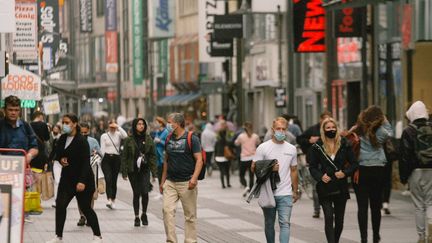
{"x":415,"y":166}
{"x":182,"y":168}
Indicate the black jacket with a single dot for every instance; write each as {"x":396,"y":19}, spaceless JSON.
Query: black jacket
{"x":303,"y":139}
{"x":344,"y":160}
{"x":263,"y":172}
{"x":79,"y":169}
{"x":408,"y":160}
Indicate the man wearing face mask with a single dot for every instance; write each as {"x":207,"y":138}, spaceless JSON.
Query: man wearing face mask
{"x":287,"y":189}
{"x":182,"y":166}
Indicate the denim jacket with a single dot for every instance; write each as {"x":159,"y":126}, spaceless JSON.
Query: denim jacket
{"x":371,"y":156}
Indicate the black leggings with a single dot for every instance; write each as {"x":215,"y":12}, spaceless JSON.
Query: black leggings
{"x":137,"y":181}
{"x":224,"y":171}
{"x":387,"y":182}
{"x":64,"y":197}
{"x":334,"y":211}
{"x":369,"y":190}
{"x":111,"y":169}
{"x":246,"y":166}
{"x":209,"y":158}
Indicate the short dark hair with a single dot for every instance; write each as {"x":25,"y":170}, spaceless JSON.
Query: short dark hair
{"x":84,"y":125}
{"x":12,"y":100}
{"x":326,"y":113}
{"x":37,"y":114}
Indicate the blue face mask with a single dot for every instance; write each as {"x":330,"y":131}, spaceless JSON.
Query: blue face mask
{"x":170,"y":128}
{"x":280,"y":136}
{"x":67,"y":129}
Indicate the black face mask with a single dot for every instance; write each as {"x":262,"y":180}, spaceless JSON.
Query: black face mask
{"x":330,"y":133}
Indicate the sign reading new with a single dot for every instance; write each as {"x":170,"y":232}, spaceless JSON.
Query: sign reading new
{"x":309,"y":26}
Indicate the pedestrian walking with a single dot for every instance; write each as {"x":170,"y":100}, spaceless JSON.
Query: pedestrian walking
{"x":373,"y":129}
{"x":331,"y":161}
{"x":55,"y":165}
{"x":306,"y":140}
{"x":95,"y":155}
{"x":224,"y":153}
{"x":182,"y":166}
{"x":287,"y":189}
{"x":248,"y":141}
{"x":160,"y":139}
{"x":15,"y":133}
{"x":208,"y":140}
{"x":110,"y":148}
{"x":40,"y":163}
{"x":77,"y":179}
{"x":415,"y":167}
{"x":138,"y":160}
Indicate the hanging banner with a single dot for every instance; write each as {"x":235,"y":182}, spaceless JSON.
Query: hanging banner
{"x":111,"y":40}
{"x":137,"y":42}
{"x":228,"y":27}
{"x":25,"y":38}
{"x":48,"y":16}
{"x":161,"y":18}
{"x":309,"y":26}
{"x":86,"y":18}
{"x":21,"y":83}
{"x":12,"y":198}
{"x":206,"y":11}
{"x":51,"y":104}
{"x":406,"y":27}
{"x":349,"y":22}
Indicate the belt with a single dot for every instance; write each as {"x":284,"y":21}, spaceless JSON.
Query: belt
{"x":112,"y":155}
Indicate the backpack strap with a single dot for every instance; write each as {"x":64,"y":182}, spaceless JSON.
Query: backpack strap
{"x":189,"y":141}
{"x":167,"y":140}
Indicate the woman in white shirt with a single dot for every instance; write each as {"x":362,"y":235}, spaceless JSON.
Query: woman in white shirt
{"x":110,"y":147}
{"x":248,"y":141}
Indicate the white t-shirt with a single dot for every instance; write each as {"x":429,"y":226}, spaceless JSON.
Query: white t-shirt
{"x":286,"y":155}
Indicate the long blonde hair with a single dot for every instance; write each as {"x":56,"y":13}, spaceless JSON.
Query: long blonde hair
{"x":325,"y":139}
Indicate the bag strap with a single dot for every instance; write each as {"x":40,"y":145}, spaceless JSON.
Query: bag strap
{"x":118,"y":151}
{"x":189,"y":141}
{"x":136,"y":145}
{"x":326,"y":156}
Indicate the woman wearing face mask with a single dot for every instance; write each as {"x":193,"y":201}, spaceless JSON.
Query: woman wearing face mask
{"x":331,"y":161}
{"x":77,"y":179}
{"x":138,"y":159}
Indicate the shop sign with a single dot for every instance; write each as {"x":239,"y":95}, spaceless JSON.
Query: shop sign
{"x":161,"y":18}
{"x":309,"y":26}
{"x":51,"y":104}
{"x":349,"y":21}
{"x":48,"y":15}
{"x":7,"y":16}
{"x":86,"y":17}
{"x":25,"y":37}
{"x":21,"y":83}
{"x":228,"y":27}
{"x":207,"y":9}
{"x":222,"y":48}
{"x":137,"y":42}
{"x":111,"y":41}
{"x":280,"y":97}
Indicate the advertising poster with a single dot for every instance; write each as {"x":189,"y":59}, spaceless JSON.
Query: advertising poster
{"x":25,"y":37}
{"x":48,"y":19}
{"x":111,"y":39}
{"x":12,"y":176}
{"x":137,"y":40}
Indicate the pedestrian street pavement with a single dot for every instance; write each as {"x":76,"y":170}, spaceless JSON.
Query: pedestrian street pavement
{"x":223,"y":216}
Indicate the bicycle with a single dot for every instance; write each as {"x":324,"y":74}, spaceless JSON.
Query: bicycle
{"x":306,"y":182}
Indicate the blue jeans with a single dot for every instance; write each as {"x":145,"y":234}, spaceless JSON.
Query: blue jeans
{"x":283,"y":207}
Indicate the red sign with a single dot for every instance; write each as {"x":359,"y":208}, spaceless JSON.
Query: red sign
{"x":309,"y":26}
{"x":406,"y":26}
{"x":111,"y":51}
{"x":349,"y":21}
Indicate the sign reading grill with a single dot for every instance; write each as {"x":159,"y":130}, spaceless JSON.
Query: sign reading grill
{"x":228,"y":27}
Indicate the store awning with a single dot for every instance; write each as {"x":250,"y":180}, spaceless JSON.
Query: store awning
{"x":178,"y":100}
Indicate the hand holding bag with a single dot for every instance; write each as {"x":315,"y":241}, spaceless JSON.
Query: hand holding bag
{"x":228,"y":154}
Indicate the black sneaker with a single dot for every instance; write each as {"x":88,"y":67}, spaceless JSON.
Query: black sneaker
{"x":387,"y":211}
{"x":81,"y":221}
{"x":316,"y":215}
{"x":137,"y":222}
{"x":144,"y":219}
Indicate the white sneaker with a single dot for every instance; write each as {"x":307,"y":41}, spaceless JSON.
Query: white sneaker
{"x":27,"y":219}
{"x":113,"y":206}
{"x":246,"y":191}
{"x":55,"y":240}
{"x":97,"y":239}
{"x":109,"y":204}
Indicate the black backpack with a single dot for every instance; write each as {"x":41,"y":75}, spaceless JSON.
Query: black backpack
{"x":423,"y":144}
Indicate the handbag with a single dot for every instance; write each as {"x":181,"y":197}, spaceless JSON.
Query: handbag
{"x":332,"y":187}
{"x":228,"y":154}
{"x":32,"y":203}
{"x":47,"y":185}
{"x":101,"y":186}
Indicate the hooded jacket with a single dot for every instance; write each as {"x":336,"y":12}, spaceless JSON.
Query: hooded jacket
{"x":418,"y":116}
{"x":129,"y":153}
{"x":264,"y":171}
